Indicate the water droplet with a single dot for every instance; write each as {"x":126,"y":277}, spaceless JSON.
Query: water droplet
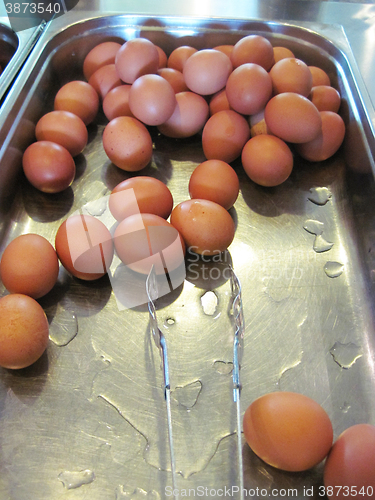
{"x":209,"y":302}
{"x":321,"y":244}
{"x":345,"y":407}
{"x":169,"y":322}
{"x":137,"y":494}
{"x":320,"y":195}
{"x":97,"y":207}
{"x":72,"y":479}
{"x":223,"y":367}
{"x":345,"y":355}
{"x":63,"y":328}
{"x":314,"y":226}
{"x":333,"y":269}
{"x":187,"y":395}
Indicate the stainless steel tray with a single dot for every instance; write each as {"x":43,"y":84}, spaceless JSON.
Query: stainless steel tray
{"x":14,"y":50}
{"x":88,"y":420}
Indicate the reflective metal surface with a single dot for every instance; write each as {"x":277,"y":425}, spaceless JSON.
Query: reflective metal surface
{"x":14,"y":50}
{"x":88,"y":420}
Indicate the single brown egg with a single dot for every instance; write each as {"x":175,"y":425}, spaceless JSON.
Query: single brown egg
{"x":64,"y":128}
{"x":24,"y":331}
{"x":101,"y":55}
{"x":84,"y":246}
{"x":48,"y":166}
{"x":29,"y":265}
{"x":80,"y":98}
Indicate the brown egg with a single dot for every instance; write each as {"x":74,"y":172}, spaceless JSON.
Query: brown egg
{"x":328,"y":141}
{"x":127,"y":143}
{"x":224,"y":136}
{"x":215,"y":180}
{"x":84,"y":246}
{"x":207,"y":71}
{"x":291,"y":75}
{"x":152,"y":99}
{"x":64,"y":128}
{"x":179,"y":56}
{"x":140,"y":194}
{"x":206,"y":227}
{"x":325,"y":98}
{"x":137,"y":57}
{"x":24,"y":331}
{"x":249,"y":88}
{"x":227,"y":49}
{"x":80,"y":98}
{"x":101,"y":55}
{"x":105,"y":79}
{"x":116,"y":102}
{"x":219,"y":102}
{"x":48,"y":166}
{"x":253,"y":49}
{"x":319,"y":76}
{"x":141,"y":240}
{"x":29,"y":265}
{"x":162,"y":57}
{"x":258,"y":124}
{"x":175,"y":78}
{"x":292,"y":117}
{"x":281,"y":53}
{"x":267,"y":160}
{"x":188,"y":118}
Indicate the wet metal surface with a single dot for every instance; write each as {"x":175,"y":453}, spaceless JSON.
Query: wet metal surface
{"x":88,"y":419}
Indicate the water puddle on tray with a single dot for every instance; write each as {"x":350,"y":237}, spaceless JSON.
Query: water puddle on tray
{"x":210,"y":302}
{"x":333,"y":269}
{"x":223,"y":367}
{"x":345,"y":355}
{"x":63,"y":327}
{"x":319,"y":195}
{"x":76,"y":479}
{"x":187,"y":395}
